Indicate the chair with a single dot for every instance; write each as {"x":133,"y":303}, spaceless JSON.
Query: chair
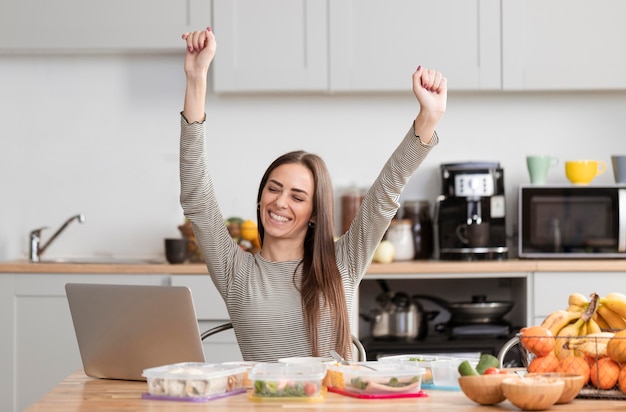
{"x":362,"y":355}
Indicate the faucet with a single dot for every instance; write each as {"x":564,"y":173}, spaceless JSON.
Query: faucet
{"x":36,"y":250}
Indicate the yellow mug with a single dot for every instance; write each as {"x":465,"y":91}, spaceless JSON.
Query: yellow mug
{"x":582,"y":172}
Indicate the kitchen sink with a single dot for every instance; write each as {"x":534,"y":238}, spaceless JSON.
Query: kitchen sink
{"x":105,"y":260}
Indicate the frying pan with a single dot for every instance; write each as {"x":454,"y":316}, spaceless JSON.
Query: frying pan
{"x":478,"y":310}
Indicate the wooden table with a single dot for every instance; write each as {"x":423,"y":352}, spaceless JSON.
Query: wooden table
{"x":81,"y":393}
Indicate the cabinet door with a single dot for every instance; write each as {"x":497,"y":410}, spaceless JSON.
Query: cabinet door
{"x":563,"y":44}
{"x":377,"y":45}
{"x":45,"y":348}
{"x":270,"y":45}
{"x":552,"y":289}
{"x":95,"y":25}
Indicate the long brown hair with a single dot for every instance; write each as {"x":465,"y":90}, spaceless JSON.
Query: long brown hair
{"x":320,"y":275}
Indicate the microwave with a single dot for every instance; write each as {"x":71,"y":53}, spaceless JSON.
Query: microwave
{"x":572,"y":221}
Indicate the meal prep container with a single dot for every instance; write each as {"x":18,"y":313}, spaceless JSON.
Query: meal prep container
{"x":424,"y":361}
{"x":194,"y":380}
{"x":387,"y":378}
{"x":295,"y":381}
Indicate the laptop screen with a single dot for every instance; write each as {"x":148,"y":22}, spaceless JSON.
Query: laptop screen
{"x":123,"y":329}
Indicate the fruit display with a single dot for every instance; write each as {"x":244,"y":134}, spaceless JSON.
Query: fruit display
{"x":245,"y":233}
{"x":587,"y":338}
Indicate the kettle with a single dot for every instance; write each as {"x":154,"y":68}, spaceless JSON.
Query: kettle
{"x":398,"y":316}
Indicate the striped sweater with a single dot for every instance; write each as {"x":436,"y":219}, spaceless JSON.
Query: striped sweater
{"x":262,"y":300}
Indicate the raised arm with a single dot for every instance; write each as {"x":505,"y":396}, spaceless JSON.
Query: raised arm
{"x":201,"y":48}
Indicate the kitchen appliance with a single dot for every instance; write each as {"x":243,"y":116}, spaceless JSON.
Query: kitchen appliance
{"x":572,"y":221}
{"x":470,"y":213}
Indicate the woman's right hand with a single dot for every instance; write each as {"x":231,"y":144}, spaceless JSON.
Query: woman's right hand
{"x":201,"y":48}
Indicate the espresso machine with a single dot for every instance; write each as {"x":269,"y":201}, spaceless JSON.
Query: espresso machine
{"x":470,"y":213}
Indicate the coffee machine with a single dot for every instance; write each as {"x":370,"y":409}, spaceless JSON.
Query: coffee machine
{"x":470,"y":212}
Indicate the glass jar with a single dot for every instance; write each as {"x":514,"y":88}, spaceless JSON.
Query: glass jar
{"x":400,"y":234}
{"x":418,"y":211}
{"x":351,"y":200}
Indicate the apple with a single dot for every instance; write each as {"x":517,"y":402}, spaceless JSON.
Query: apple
{"x":385,"y":252}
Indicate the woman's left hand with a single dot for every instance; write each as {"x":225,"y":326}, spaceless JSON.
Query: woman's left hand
{"x":431,"y":89}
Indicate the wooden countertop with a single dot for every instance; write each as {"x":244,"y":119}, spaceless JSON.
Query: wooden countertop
{"x":80,"y":393}
{"x":397,"y":268}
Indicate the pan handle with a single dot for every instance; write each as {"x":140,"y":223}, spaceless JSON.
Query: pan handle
{"x":383,"y":285}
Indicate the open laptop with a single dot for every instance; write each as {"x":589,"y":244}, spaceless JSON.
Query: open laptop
{"x":124,"y":329}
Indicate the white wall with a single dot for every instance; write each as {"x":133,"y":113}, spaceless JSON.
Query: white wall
{"x":99,"y":135}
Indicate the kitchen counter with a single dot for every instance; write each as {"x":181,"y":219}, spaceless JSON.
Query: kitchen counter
{"x":396,"y":268}
{"x":81,"y":393}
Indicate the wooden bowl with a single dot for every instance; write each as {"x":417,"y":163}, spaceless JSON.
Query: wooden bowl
{"x":533,"y":393}
{"x":573,"y":384}
{"x":484,"y":389}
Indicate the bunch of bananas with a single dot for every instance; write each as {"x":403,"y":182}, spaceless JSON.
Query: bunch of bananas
{"x":587,"y":325}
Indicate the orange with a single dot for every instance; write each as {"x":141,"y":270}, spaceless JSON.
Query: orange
{"x":542,"y":364}
{"x":574,"y":364}
{"x":537,"y":340}
{"x":616,"y":348}
{"x":621,"y":380}
{"x":249,"y":230}
{"x":605,"y":373}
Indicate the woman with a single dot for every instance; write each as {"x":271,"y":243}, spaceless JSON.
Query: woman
{"x":294,"y":297}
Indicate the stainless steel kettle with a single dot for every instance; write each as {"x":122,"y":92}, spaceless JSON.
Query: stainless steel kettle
{"x":398,"y":316}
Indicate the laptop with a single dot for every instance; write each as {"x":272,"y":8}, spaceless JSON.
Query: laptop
{"x":124,"y":329}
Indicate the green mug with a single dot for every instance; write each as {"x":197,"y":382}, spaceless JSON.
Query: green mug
{"x":538,"y":167}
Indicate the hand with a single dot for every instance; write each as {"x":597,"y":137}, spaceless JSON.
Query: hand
{"x":201,"y":48}
{"x":431,"y":90}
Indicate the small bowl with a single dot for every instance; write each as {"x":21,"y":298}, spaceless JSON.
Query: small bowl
{"x":484,"y":389}
{"x":573,"y":384}
{"x":533,"y":393}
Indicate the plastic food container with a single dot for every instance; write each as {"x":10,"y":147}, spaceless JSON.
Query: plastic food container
{"x":194,"y":380}
{"x":424,"y":361}
{"x":294,"y":381}
{"x":389,"y":377}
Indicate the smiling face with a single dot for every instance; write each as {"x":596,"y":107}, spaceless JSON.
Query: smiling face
{"x":286,"y":203}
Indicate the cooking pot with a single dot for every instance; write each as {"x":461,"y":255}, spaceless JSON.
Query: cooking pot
{"x":478,"y":310}
{"x":398,"y":316}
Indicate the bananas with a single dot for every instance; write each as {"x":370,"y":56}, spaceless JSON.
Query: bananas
{"x":616,"y":303}
{"x":611,"y":317}
{"x":577,"y":302}
{"x":558,"y":319}
{"x":561,"y":349}
{"x":593,"y":345}
{"x":587,"y":325}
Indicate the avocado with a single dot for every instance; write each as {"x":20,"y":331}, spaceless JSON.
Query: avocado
{"x":466,"y":369}
{"x":487,"y":361}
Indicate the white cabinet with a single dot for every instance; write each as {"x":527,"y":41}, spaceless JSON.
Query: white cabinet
{"x":552,"y":289}
{"x":270,"y":45}
{"x":95,"y":25}
{"x":38,"y":344}
{"x":563,"y":44}
{"x":377,"y":45}
{"x":354,"y":45}
{"x":211,"y":312}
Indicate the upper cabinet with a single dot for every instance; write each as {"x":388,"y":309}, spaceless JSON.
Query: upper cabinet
{"x":96,"y":25}
{"x":376,"y":45}
{"x":270,"y":45}
{"x":563,"y":44}
{"x":354,"y":45}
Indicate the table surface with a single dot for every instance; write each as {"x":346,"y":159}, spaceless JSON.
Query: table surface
{"x":80,"y":393}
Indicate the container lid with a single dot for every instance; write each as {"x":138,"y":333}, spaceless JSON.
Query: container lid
{"x":382,"y":369}
{"x":280,"y":370}
{"x":193,"y":370}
